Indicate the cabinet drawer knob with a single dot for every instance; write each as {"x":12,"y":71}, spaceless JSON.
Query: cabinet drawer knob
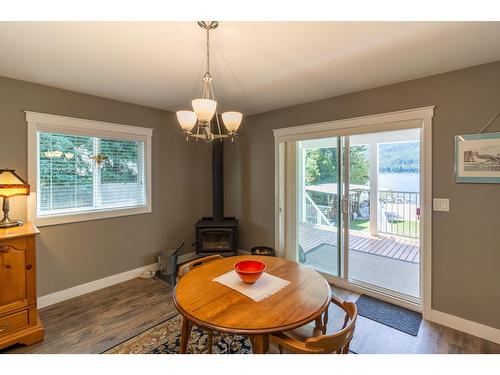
{"x":29,"y":266}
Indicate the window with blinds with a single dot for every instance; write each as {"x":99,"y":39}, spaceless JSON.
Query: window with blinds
{"x":85,"y":171}
{"x":79,"y":173}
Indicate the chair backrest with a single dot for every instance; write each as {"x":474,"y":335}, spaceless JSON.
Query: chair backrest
{"x":186,"y":267}
{"x":339,"y":341}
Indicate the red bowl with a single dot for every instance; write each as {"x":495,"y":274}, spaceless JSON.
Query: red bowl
{"x":249,"y":271}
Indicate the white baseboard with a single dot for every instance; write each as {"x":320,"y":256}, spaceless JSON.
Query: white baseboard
{"x":78,"y":290}
{"x":92,"y":286}
{"x":467,"y":326}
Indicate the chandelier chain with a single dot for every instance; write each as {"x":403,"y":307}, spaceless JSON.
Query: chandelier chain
{"x":208,"y":50}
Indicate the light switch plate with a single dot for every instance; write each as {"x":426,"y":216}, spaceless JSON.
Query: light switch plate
{"x":441,"y":204}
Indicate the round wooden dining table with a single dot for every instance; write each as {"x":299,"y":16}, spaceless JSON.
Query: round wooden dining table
{"x":211,"y":305}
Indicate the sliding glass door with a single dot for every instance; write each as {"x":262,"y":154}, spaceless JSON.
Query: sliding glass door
{"x":384,"y":212}
{"x":353,"y":204}
{"x":319,"y":219}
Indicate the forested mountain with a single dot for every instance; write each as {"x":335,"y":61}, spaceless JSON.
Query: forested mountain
{"x":321,"y":163}
{"x":399,"y":157}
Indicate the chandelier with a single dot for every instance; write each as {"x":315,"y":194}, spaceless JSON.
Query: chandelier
{"x":199,"y":123}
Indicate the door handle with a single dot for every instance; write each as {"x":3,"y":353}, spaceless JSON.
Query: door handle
{"x":345,"y":206}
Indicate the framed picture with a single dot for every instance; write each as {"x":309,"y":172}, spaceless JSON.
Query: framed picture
{"x":477,"y":158}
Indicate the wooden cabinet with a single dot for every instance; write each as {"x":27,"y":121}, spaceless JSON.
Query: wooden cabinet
{"x":19,"y":321}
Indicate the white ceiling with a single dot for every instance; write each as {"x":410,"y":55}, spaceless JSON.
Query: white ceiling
{"x":257,"y":66}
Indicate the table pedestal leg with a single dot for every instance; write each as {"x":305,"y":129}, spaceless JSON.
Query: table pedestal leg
{"x":260,"y":344}
{"x":186,"y":332}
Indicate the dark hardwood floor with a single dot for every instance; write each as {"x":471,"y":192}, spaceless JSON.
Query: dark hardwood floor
{"x":97,"y":321}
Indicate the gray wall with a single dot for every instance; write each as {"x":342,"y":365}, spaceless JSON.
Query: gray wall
{"x":465,"y":241}
{"x":77,"y":253}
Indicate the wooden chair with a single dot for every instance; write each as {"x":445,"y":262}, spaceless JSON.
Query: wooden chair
{"x":183,"y":270}
{"x":313,"y":340}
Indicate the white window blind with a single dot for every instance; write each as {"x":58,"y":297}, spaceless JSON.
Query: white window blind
{"x":81,"y":173}
{"x":84,"y":173}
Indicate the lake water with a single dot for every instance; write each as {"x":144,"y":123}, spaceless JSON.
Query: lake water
{"x":408,"y":182}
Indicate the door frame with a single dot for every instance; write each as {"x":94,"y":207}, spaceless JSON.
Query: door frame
{"x":285,"y":238}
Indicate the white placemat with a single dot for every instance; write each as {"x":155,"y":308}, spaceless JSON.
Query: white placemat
{"x":266,"y":286}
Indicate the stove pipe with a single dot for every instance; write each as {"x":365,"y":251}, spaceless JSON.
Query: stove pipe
{"x":218,"y":179}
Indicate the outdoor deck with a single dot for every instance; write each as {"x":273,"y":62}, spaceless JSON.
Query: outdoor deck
{"x":313,"y":236}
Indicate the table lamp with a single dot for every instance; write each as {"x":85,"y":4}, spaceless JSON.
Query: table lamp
{"x":11,"y":185}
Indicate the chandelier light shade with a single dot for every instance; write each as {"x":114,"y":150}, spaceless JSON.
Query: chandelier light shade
{"x":187,"y":120}
{"x":232,"y":121}
{"x":203,"y":121}
{"x":204,"y":109}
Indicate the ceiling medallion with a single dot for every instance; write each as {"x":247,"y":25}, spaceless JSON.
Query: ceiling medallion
{"x":199,"y":123}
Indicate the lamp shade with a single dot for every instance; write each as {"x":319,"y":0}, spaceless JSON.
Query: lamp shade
{"x":232,"y":121}
{"x":204,"y":109}
{"x":11,"y":184}
{"x":187,"y":119}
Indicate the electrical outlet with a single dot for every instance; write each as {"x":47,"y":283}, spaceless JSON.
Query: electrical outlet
{"x":441,"y":204}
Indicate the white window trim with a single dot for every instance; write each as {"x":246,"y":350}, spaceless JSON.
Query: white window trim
{"x":47,"y":122}
{"x":405,"y":119}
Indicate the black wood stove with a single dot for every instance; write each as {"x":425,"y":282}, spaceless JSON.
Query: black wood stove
{"x":217,"y":234}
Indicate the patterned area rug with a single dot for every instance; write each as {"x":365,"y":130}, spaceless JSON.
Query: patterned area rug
{"x":165,"y":338}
